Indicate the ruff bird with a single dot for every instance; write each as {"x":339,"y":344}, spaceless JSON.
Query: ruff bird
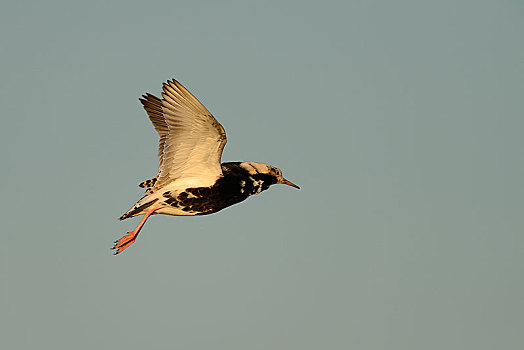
{"x":191,"y":179}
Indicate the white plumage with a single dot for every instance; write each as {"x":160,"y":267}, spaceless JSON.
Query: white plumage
{"x":195,"y":139}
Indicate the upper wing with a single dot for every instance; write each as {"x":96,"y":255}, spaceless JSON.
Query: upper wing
{"x":153,"y":107}
{"x":194,"y":141}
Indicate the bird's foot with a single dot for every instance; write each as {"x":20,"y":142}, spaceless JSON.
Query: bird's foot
{"x":124,"y":242}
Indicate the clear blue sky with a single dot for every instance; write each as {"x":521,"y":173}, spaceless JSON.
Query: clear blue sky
{"x":402,"y":121}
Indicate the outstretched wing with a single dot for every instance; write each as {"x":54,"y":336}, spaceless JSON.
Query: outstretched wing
{"x":153,"y":107}
{"x":194,"y":141}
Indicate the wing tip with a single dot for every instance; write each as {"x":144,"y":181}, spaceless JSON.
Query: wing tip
{"x":148,"y":98}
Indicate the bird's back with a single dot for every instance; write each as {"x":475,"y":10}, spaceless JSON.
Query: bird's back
{"x":236,"y":185}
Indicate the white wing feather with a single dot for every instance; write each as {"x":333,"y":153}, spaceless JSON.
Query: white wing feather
{"x":195,"y":139}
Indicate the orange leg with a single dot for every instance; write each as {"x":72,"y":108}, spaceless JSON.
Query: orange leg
{"x":127,"y":240}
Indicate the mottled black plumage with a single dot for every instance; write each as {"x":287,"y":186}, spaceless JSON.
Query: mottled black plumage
{"x":235,"y":186}
{"x":148,"y":183}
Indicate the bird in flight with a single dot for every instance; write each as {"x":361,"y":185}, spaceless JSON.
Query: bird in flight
{"x":191,"y":179}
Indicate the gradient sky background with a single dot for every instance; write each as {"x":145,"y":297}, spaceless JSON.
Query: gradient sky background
{"x":402,"y":121}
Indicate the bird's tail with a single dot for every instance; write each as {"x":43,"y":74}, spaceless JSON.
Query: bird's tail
{"x":137,"y":209}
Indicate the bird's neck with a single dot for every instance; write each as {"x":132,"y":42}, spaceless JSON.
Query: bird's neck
{"x":249,"y":183}
{"x":257,"y":183}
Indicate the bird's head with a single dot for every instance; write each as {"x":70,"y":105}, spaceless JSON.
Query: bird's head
{"x":261,"y":168}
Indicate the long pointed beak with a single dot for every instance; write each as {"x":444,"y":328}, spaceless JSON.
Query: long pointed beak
{"x":287,"y":182}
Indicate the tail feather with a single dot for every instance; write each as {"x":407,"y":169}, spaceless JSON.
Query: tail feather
{"x":137,"y":209}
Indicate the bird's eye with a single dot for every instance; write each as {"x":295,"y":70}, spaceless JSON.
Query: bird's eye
{"x":278,"y":172}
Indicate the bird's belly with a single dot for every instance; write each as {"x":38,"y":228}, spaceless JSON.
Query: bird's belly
{"x":199,"y":200}
{"x":169,"y":210}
